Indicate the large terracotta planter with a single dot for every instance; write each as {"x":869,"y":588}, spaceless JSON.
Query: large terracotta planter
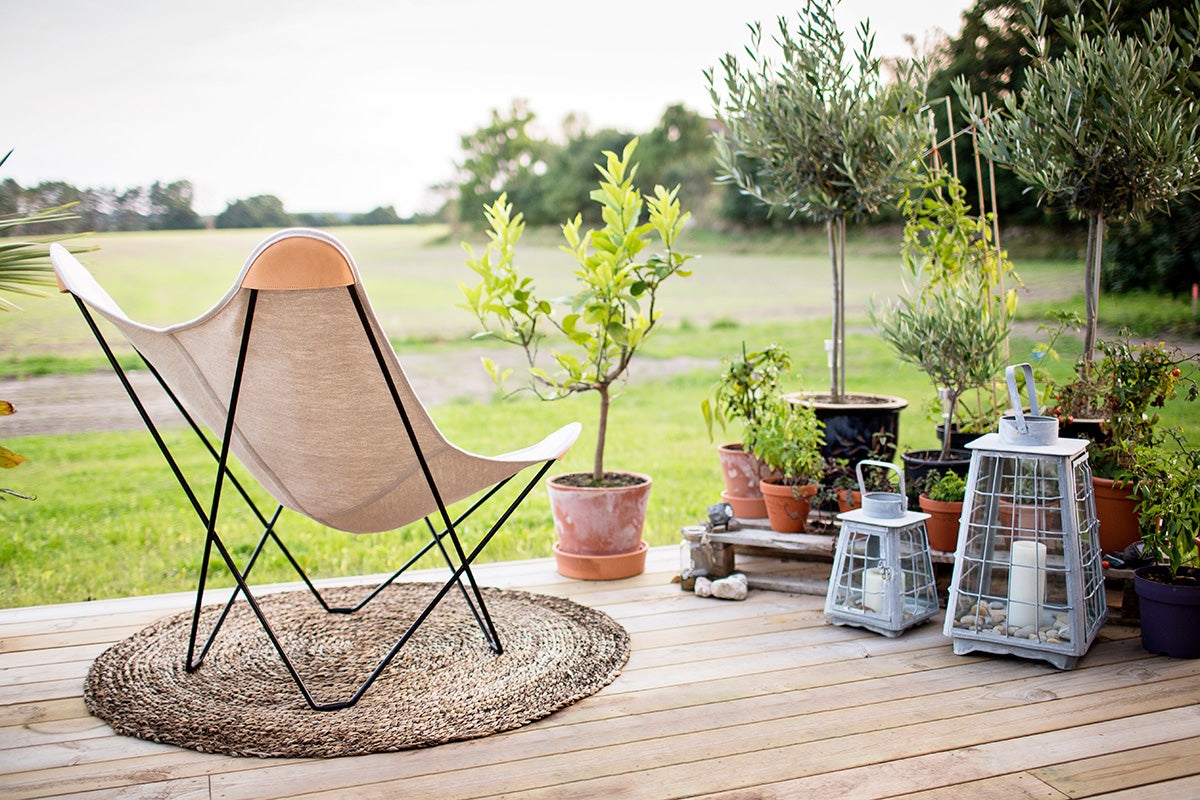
{"x":943,"y":523}
{"x":1117,"y":512}
{"x":786,"y":512}
{"x":599,"y":529}
{"x":742,"y":473}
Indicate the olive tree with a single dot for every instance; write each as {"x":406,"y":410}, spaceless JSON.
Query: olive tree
{"x":821,"y":132}
{"x":1103,"y":128}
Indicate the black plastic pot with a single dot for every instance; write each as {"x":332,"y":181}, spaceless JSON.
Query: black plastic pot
{"x":866,"y":426}
{"x":958,"y":439}
{"x":920,"y":463}
{"x":1170,"y":613}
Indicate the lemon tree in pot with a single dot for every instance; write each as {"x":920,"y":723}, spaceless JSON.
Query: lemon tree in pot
{"x":599,"y":515}
{"x":1169,"y":589}
{"x":748,"y":383}
{"x":788,"y":437}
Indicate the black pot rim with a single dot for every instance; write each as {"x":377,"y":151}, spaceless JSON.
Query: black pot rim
{"x":1165,"y":592}
{"x":884,"y":401}
{"x":917,"y":457}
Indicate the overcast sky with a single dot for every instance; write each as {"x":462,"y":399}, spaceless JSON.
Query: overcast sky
{"x":345,"y":106}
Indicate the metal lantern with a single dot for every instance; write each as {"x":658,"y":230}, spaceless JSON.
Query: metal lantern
{"x":1027,"y":573}
{"x":882,"y":577}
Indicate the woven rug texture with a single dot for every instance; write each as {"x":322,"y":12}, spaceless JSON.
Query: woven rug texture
{"x":445,"y":684}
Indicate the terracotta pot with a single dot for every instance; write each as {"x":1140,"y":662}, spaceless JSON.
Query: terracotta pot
{"x":742,"y":473}
{"x":943,"y":523}
{"x":1117,"y":511}
{"x":848,"y":500}
{"x":787,"y":513}
{"x":599,"y":529}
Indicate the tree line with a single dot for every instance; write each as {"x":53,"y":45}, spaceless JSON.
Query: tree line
{"x":159,"y":206}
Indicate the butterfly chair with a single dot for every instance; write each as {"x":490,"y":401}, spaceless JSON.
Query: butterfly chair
{"x":293,"y":372}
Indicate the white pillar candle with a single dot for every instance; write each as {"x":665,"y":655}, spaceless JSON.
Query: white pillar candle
{"x":1026,"y":583}
{"x":873,"y":589}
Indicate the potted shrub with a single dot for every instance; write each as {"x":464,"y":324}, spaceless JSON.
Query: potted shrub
{"x":788,"y":438}
{"x":598,"y":515}
{"x":942,"y":500}
{"x":954,"y":320}
{"x":748,"y":383}
{"x":1122,"y":391}
{"x":829,"y":134}
{"x":1169,"y":589}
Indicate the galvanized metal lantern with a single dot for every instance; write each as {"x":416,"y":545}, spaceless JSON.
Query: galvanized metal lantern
{"x":882,"y":577}
{"x":1027,"y":574}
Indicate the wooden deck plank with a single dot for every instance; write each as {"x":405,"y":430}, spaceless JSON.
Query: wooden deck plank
{"x":701,"y":735}
{"x":1016,"y":786}
{"x":1117,"y":771}
{"x":1168,"y":790}
{"x":759,"y":698}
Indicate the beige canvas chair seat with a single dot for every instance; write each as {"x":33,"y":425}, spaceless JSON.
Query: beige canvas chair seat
{"x":293,"y":373}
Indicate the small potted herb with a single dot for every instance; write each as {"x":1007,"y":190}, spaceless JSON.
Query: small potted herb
{"x":942,"y":500}
{"x":788,"y":437}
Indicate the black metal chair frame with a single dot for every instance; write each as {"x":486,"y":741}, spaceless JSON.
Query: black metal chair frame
{"x":459,"y":562}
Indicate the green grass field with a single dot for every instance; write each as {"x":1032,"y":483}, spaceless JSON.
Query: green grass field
{"x":109,"y":520}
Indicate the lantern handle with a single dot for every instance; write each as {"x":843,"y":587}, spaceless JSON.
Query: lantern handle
{"x":862,"y":487}
{"x":1010,"y":376}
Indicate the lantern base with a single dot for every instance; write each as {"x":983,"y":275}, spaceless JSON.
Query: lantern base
{"x":1060,"y":659}
{"x":881,"y":627}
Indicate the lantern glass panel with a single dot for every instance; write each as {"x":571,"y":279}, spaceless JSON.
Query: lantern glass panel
{"x":1095,"y":602}
{"x":1015,"y":568}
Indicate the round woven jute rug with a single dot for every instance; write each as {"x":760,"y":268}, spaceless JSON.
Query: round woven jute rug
{"x":445,"y":684}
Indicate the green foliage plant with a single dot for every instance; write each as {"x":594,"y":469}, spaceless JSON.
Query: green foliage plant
{"x":1104,"y":128}
{"x":949,"y":488}
{"x":614,"y":309}
{"x":24,"y":269}
{"x":820,"y":133}
{"x":1169,"y":504}
{"x":955,"y":318}
{"x":1125,"y":388}
{"x":788,"y":438}
{"x":748,"y":382}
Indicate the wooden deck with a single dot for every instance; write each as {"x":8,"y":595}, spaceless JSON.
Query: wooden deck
{"x":752,"y":699}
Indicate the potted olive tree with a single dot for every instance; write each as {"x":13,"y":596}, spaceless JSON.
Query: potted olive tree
{"x":788,"y":438}
{"x":1104,"y":128}
{"x":1169,"y":589}
{"x":598,"y":515}
{"x":748,"y":384}
{"x":954,"y":320}
{"x":824,"y":134}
